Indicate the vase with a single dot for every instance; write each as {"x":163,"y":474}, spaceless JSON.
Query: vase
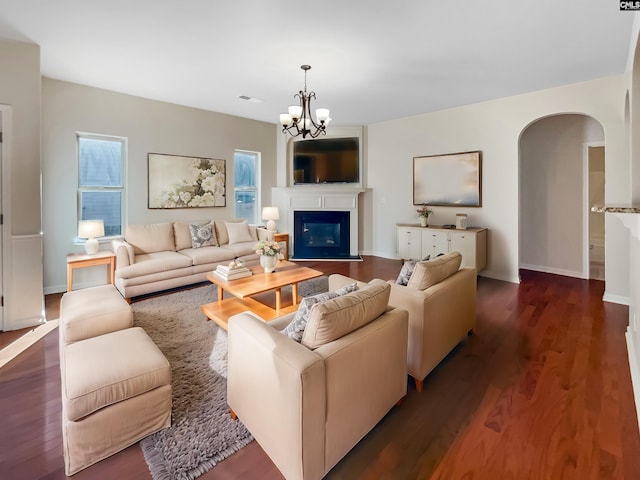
{"x":268,"y":262}
{"x":424,"y":221}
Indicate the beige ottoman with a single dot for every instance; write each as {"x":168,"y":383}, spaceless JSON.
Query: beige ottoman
{"x":116,"y":390}
{"x":91,"y":312}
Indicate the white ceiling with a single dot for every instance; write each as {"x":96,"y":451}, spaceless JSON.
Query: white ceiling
{"x":372,"y":60}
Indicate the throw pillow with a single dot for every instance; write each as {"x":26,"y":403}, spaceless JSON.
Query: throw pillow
{"x":407,"y":271}
{"x":238,"y":232}
{"x":296,"y":327}
{"x":202,"y":236}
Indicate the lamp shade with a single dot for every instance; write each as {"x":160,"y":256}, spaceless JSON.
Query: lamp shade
{"x":271,"y":214}
{"x":90,"y":229}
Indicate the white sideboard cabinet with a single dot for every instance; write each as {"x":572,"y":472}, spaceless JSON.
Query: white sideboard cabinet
{"x":416,"y":242}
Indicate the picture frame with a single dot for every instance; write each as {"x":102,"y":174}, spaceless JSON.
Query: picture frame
{"x":176,"y":181}
{"x":453,"y":179}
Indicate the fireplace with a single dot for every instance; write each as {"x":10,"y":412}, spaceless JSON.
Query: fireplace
{"x":321,"y":235}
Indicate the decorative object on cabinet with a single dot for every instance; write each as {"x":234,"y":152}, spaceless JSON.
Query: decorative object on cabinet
{"x":185,"y":182}
{"x":461,"y":221}
{"x":423,"y":215}
{"x":451,"y":179}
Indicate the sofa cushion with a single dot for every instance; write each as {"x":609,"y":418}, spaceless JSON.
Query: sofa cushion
{"x":434,"y":271}
{"x":150,"y":238}
{"x":207,"y":255}
{"x":296,"y":327}
{"x":339,"y":316}
{"x":153,"y":263}
{"x":221,"y":229}
{"x":407,"y":270}
{"x":238,"y":232}
{"x":202,"y":236}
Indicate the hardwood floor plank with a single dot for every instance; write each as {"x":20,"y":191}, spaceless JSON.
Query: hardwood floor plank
{"x":541,"y":390}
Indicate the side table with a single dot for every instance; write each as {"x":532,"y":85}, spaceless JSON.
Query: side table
{"x":82,"y":260}
{"x":283,"y":237}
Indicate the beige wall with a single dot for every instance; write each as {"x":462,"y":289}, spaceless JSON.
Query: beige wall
{"x":551,"y":193}
{"x":495,"y":128}
{"x":150,"y":126}
{"x":21,"y":198}
{"x":20,"y":88}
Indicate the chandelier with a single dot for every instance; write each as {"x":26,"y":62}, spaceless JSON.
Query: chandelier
{"x":299,"y":121}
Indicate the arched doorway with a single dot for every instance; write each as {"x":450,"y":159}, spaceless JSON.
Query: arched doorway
{"x":556,"y":155}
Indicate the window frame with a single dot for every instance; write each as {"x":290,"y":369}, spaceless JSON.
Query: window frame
{"x":257,"y":189}
{"x":98,"y":188}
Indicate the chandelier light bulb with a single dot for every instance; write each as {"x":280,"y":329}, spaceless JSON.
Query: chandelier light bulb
{"x":322,"y":115}
{"x":285,"y":119}
{"x":295,"y":111}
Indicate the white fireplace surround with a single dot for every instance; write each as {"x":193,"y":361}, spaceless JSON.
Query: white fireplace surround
{"x":294,"y":199}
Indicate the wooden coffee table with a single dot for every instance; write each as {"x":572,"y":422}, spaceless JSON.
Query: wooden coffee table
{"x":285,"y":274}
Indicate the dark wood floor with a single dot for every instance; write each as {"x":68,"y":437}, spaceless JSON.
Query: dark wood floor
{"x":542,"y":390}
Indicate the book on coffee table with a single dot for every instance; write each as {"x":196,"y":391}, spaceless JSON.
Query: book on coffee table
{"x":232,"y":274}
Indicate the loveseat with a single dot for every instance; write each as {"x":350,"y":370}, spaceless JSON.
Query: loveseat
{"x":159,"y":256}
{"x":441,"y":301}
{"x":307,"y":404}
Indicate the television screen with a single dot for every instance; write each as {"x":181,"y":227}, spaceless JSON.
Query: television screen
{"x":330,"y":160}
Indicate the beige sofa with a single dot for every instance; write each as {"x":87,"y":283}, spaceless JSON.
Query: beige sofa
{"x":308,"y":404}
{"x":160,"y":256}
{"x":441,"y":300}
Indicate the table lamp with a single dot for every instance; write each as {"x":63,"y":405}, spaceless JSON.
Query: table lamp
{"x":90,"y":229}
{"x":270,"y":214}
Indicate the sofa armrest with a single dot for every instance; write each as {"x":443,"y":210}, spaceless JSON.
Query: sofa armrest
{"x":124,"y":253}
{"x":264,"y":234}
{"x":439,"y":318}
{"x":277,"y":388}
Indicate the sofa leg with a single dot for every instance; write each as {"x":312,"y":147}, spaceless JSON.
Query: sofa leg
{"x":418,"y":384}
{"x":401,"y":401}
{"x":233,"y":414}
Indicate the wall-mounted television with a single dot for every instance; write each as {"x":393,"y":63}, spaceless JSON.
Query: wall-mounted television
{"x":328,"y":160}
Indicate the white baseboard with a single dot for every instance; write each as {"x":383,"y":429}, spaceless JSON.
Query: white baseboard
{"x":555,"y":271}
{"x":619,"y":299}
{"x":634,"y":366}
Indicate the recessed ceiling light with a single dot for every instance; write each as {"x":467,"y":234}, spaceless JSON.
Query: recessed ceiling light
{"x":250,"y":99}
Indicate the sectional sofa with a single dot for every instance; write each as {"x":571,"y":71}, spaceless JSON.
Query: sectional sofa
{"x":159,"y":256}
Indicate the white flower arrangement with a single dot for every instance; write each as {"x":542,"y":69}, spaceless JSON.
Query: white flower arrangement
{"x":202,"y":186}
{"x":268,"y":248}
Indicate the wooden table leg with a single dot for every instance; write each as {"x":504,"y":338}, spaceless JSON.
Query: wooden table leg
{"x":220,"y":293}
{"x":69,"y":277}
{"x":111,"y":272}
{"x":278,"y":300}
{"x":294,"y":293}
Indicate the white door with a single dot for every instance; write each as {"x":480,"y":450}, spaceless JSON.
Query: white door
{"x":465,"y":243}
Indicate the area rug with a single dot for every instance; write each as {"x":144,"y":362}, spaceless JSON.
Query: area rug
{"x":202,"y":432}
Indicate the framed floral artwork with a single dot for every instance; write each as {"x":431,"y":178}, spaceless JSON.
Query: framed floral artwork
{"x":185,"y":182}
{"x":452,"y":179}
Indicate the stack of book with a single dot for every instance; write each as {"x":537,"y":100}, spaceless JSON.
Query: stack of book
{"x":227,"y":273}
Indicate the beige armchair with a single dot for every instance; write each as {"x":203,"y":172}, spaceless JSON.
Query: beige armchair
{"x":441,"y":300}
{"x":307,"y":404}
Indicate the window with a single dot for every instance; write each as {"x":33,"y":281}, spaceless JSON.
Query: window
{"x":246,"y":169}
{"x":101,"y":167}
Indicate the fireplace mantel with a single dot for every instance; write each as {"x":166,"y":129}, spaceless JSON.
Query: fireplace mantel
{"x":321,"y":198}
